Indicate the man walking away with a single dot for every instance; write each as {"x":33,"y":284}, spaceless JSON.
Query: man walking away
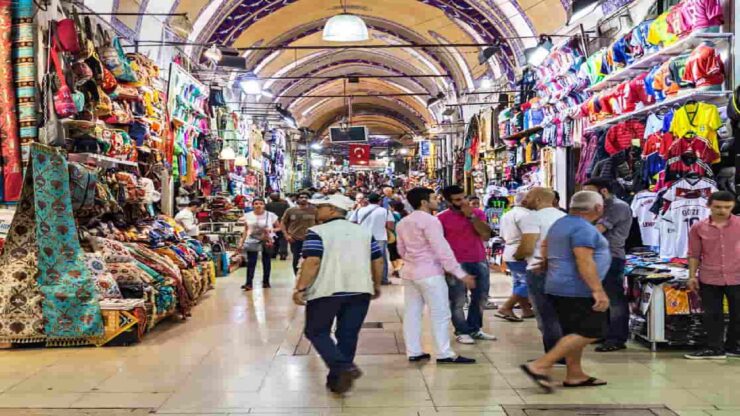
{"x":511,"y":232}
{"x":387,"y":196}
{"x":534,"y":230}
{"x":465,"y":229}
{"x":296,"y":222}
{"x":336,"y":286}
{"x":577,"y":259}
{"x":278,"y":206}
{"x":379,"y":221}
{"x":714,"y":271}
{"x":427,"y":256}
{"x":615,"y":225}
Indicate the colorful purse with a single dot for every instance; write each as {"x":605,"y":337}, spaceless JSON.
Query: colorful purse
{"x":64,"y":105}
{"x":67,"y":36}
{"x":115,"y":59}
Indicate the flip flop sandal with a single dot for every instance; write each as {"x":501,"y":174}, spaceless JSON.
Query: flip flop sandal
{"x":510,"y":318}
{"x":590,"y":382}
{"x":528,"y":317}
{"x":543,"y":381}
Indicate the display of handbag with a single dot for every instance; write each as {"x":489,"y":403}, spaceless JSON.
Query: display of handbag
{"x":120,"y":114}
{"x":252,"y":245}
{"x":103,"y":105}
{"x":82,"y":185}
{"x":64,"y":105}
{"x":114,"y":58}
{"x":67,"y":36}
{"x":52,"y":132}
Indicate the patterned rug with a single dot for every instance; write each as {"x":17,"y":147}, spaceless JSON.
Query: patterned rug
{"x":25,"y":69}
{"x":46,"y":291}
{"x":10,"y":145}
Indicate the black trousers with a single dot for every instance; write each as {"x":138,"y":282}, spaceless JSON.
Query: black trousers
{"x":252,"y":267}
{"x":712,"y":298}
{"x":349,"y":312}
{"x":296,"y":247}
{"x":281,"y":246}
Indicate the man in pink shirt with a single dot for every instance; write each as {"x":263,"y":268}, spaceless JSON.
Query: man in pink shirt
{"x":714,"y":271}
{"x":466,"y":229}
{"x":427,"y":256}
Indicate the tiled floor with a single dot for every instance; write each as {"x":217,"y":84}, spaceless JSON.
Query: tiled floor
{"x":241,"y":353}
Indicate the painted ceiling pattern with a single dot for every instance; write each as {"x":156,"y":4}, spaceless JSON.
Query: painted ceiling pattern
{"x":284,"y":23}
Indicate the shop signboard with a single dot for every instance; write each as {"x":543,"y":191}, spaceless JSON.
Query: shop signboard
{"x":425,"y":148}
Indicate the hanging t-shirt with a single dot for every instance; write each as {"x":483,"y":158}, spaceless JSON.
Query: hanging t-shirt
{"x":690,"y":188}
{"x":702,"y":119}
{"x":647,"y":220}
{"x":704,"y":67}
{"x":658,"y":34}
{"x":682,"y":215}
{"x":701,"y":14}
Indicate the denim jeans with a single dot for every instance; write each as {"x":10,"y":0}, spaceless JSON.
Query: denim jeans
{"x":252,"y":267}
{"x":619,"y":314}
{"x":349,"y":312}
{"x":384,"y":247}
{"x":296,"y":247}
{"x":281,"y":246}
{"x":518,"y":271}
{"x":478,"y":298}
{"x":547,"y":318}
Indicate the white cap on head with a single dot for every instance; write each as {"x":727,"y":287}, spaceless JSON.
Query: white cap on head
{"x":586,"y":200}
{"x":340,"y":201}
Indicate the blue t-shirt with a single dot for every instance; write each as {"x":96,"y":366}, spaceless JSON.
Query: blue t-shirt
{"x":565,"y":234}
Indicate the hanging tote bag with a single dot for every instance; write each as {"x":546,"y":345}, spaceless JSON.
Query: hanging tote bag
{"x":64,"y":104}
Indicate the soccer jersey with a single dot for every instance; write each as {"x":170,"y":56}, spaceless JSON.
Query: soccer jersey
{"x":676,"y":23}
{"x":658,"y":33}
{"x":701,"y":14}
{"x":676,"y":69}
{"x":682,"y":215}
{"x":690,"y":188}
{"x":635,"y":95}
{"x":702,"y":119}
{"x":704,"y":67}
{"x":647,"y":220}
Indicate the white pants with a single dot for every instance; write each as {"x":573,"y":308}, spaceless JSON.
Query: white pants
{"x":432,"y":291}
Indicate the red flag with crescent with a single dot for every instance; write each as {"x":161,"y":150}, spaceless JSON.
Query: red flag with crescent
{"x":359,"y":154}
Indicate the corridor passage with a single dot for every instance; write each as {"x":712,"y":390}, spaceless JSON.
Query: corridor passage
{"x":244,"y":354}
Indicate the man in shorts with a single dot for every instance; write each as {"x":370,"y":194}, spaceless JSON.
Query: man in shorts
{"x":577,"y":258}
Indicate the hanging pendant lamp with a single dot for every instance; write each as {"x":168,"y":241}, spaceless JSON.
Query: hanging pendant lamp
{"x":227,"y":153}
{"x":345,"y":27}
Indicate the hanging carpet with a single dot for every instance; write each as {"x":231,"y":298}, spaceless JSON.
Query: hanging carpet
{"x":46,"y":291}
{"x":24,"y":69}
{"x":10,"y":146}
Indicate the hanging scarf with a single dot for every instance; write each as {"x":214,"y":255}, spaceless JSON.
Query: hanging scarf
{"x":46,"y":291}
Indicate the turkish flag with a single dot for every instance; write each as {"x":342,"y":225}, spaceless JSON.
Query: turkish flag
{"x":359,"y":154}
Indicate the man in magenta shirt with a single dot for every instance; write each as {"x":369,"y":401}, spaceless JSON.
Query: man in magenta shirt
{"x":714,"y":270}
{"x":466,"y":229}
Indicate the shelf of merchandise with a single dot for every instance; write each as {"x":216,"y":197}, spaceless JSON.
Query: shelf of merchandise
{"x":100,"y":159}
{"x":656,"y":58}
{"x":695,"y":94}
{"x":524,"y":133}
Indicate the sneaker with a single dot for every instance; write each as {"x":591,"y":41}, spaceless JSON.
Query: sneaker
{"x":484,"y":337}
{"x":491,"y":306}
{"x":733,"y":353}
{"x":465,"y":339}
{"x":708,"y":354}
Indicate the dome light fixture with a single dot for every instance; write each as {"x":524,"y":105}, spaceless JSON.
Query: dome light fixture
{"x":250,"y":84}
{"x":581,"y":8}
{"x":213,"y":54}
{"x":345,"y":27}
{"x":535,"y":56}
{"x":241,"y":161}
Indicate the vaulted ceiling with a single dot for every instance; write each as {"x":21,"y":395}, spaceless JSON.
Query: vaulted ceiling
{"x":286,"y":23}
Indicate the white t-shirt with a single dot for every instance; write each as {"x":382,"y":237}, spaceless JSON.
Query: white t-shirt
{"x":373,"y":218}
{"x":539,"y":222}
{"x":649,"y":230}
{"x":186,"y":218}
{"x":681,"y":216}
{"x":258,"y":223}
{"x":511,"y":231}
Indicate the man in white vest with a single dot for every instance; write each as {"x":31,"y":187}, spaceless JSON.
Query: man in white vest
{"x":341,"y":271}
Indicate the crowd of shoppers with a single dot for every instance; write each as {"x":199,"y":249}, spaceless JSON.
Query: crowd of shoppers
{"x":567,"y":270}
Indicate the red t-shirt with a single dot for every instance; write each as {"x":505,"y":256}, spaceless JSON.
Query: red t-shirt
{"x":704,"y":67}
{"x":620,"y":136}
{"x":637,"y":94}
